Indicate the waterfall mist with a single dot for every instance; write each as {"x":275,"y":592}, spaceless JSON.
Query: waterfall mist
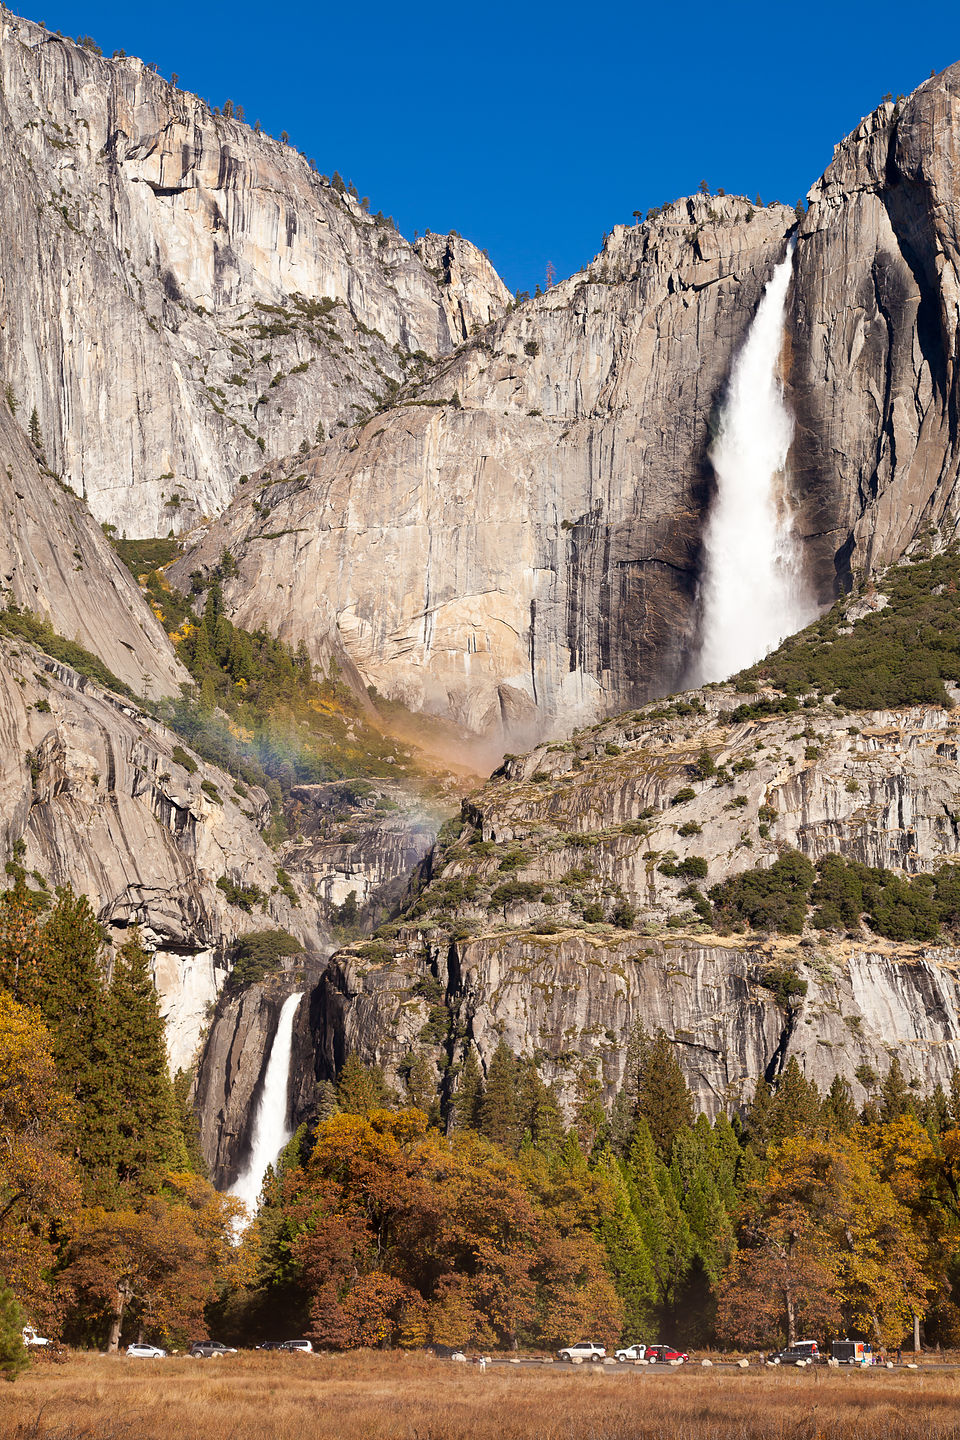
{"x":271,"y":1130}
{"x":753,"y":592}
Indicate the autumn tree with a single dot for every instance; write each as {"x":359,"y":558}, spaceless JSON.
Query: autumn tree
{"x":824,"y":1241}
{"x":152,"y":1269}
{"x":38,"y":1185}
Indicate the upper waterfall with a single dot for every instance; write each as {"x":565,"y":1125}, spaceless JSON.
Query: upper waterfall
{"x":753,"y":592}
{"x":271,"y":1129}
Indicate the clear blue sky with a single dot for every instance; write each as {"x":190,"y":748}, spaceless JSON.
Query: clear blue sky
{"x":532,"y":129}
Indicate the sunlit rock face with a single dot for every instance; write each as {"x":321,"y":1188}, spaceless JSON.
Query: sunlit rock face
{"x":518,"y":545}
{"x":176,"y":289}
{"x":515,"y":545}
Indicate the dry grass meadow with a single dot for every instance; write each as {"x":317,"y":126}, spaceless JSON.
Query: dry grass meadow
{"x":372,"y":1396}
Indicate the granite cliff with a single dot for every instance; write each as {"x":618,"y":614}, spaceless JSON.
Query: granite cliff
{"x":558,"y":916}
{"x":490,"y":512}
{"x":522,"y":540}
{"x":180,"y":295}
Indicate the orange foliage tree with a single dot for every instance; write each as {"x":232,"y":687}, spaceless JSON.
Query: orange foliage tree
{"x":154,"y":1268}
{"x":405,"y":1236}
{"x":39,"y":1190}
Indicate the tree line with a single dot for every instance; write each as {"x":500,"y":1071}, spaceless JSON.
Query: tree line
{"x":490,"y":1216}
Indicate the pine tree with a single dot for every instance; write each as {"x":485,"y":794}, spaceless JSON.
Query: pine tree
{"x":954,"y":1098}
{"x":839,"y":1108}
{"x":36,"y":438}
{"x":540,"y":1115}
{"x":936,"y":1113}
{"x":895,"y":1097}
{"x":796,"y":1107}
{"x":188,"y":1124}
{"x":499,"y":1119}
{"x":361,"y":1087}
{"x":13,"y":1355}
{"x":663,"y":1097}
{"x":421,"y":1084}
{"x":72,"y":998}
{"x":628,"y":1259}
{"x":662,"y":1224}
{"x":150,"y":1141}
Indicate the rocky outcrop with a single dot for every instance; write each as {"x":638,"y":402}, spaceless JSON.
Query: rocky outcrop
{"x":91,"y":788}
{"x":180,"y":294}
{"x":874,"y":357}
{"x":55,"y":562}
{"x":557,"y":919}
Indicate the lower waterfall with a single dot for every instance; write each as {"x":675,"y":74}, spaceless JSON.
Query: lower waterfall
{"x":271,"y":1129}
{"x":753,"y":593}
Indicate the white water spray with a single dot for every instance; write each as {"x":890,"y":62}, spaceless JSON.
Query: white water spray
{"x":271,"y":1130}
{"x":753,"y":593}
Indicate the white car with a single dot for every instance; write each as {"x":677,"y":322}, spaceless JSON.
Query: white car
{"x":303,"y":1346}
{"x":30,"y":1337}
{"x":583,"y":1350}
{"x":146,"y":1352}
{"x":631,"y":1352}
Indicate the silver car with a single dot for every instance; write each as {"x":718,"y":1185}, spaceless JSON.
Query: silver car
{"x":146,"y":1352}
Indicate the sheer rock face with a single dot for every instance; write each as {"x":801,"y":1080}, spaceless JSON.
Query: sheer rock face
{"x":89,"y":784}
{"x":524,"y":557}
{"x":874,"y":373}
{"x":516,"y":545}
{"x":55,"y":562}
{"x":174,"y":287}
{"x":574,"y":1000}
{"x":603,"y":817}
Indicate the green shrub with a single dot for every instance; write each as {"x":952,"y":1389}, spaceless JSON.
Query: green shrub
{"x":786,"y":985}
{"x":683,"y":795}
{"x":180,"y":757}
{"x":896,"y":656}
{"x":243,"y":896}
{"x":259,"y":953}
{"x":766,"y":899}
{"x":514,"y":891}
{"x":693,"y":868}
{"x":624,"y":915}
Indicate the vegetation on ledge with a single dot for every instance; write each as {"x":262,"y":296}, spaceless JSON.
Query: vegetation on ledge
{"x":899,"y":655}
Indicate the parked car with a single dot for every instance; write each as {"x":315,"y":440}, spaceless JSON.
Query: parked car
{"x":303,"y":1346}
{"x":665,"y":1354}
{"x":30,"y":1336}
{"x":632,"y":1352}
{"x":801,"y":1352}
{"x":146,"y":1352}
{"x":210,"y":1350}
{"x":270,"y":1345}
{"x":583,"y":1350}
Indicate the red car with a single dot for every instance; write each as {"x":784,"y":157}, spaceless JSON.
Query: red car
{"x":663,"y":1354}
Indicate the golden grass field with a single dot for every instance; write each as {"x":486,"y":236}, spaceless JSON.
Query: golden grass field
{"x":371,"y":1396}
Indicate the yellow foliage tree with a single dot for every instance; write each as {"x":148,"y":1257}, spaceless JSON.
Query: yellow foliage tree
{"x":39,"y":1190}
